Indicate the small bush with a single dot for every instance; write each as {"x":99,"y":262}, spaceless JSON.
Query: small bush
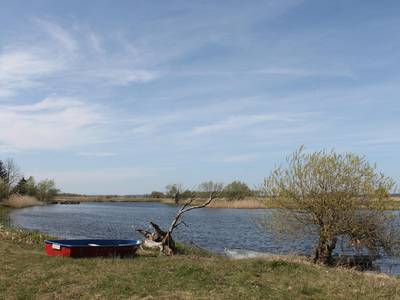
{"x":46,"y":190}
{"x":237,"y":190}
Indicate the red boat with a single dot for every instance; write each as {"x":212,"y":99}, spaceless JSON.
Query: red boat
{"x":92,"y":248}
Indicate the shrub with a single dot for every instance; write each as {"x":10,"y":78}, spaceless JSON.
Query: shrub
{"x":336,"y":197}
{"x":237,"y":190}
{"x":46,"y":190}
{"x":156,"y":195}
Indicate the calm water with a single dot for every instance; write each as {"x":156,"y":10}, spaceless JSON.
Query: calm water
{"x":217,"y":230}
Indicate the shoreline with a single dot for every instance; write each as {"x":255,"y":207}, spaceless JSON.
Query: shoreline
{"x":37,"y":237}
{"x":220,"y":203}
{"x":29,"y":273}
{"x":248,"y":203}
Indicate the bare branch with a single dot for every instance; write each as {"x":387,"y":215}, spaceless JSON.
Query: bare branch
{"x":163,"y":239}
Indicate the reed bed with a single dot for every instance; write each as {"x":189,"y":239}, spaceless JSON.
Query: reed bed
{"x":18,"y":201}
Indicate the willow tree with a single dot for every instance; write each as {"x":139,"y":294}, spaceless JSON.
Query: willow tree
{"x":334,"y":196}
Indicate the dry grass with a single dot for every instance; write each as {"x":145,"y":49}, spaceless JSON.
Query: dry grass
{"x":169,"y":201}
{"x":18,"y":201}
{"x":102,"y":199}
{"x":248,"y":203}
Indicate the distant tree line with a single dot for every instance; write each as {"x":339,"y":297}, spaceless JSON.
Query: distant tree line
{"x":236,"y":190}
{"x":13,"y":182}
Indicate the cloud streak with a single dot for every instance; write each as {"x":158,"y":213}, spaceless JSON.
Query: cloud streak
{"x":23,"y":69}
{"x":241,"y":121}
{"x":53,"y":123}
{"x":67,"y":58}
{"x":239,"y":158}
{"x":58,"y":34}
{"x":297,"y":72}
{"x":97,"y":154}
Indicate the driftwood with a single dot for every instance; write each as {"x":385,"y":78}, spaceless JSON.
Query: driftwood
{"x":163,"y":240}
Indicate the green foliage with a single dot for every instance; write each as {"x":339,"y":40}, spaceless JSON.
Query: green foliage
{"x":30,"y":186}
{"x":335,"y":196}
{"x":183,"y":249}
{"x":210,"y":186}
{"x":12,"y":182}
{"x":46,"y":190}
{"x":186,"y":194}
{"x":4,"y":187}
{"x":3,"y":172}
{"x":205,"y":188}
{"x":174,"y":191}
{"x":156,"y":195}
{"x":9,"y":176}
{"x":3,"y":190}
{"x":21,"y":187}
{"x":237,"y":190}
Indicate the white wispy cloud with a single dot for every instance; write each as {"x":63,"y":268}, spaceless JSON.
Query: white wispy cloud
{"x":112,"y":174}
{"x":121,"y":76}
{"x":239,"y":158}
{"x":97,"y":154}
{"x":58,"y":34}
{"x":23,"y":69}
{"x":65,"y":57}
{"x":270,"y":71}
{"x":239,"y":121}
{"x":303,"y":72}
{"x":52,"y":123}
{"x":95,"y":42}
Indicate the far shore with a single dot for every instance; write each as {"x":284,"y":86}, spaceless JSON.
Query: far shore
{"x":248,"y":203}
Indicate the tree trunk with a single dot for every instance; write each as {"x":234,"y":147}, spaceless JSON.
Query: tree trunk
{"x":176,"y":198}
{"x":323,"y":252}
{"x":159,"y":239}
{"x":163,"y":239}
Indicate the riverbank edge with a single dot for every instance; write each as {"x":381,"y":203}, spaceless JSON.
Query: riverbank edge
{"x":248,"y":203}
{"x":37,"y":237}
{"x":182,"y":267}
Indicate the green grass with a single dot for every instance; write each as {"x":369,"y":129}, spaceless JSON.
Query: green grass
{"x":4,"y":219}
{"x":27,"y":273}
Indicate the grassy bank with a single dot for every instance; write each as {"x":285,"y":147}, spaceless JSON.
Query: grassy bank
{"x":27,"y":273}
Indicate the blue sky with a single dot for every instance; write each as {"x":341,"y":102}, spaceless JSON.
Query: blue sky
{"x":128,"y":96}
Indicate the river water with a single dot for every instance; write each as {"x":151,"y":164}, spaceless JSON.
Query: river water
{"x":218,"y":230}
